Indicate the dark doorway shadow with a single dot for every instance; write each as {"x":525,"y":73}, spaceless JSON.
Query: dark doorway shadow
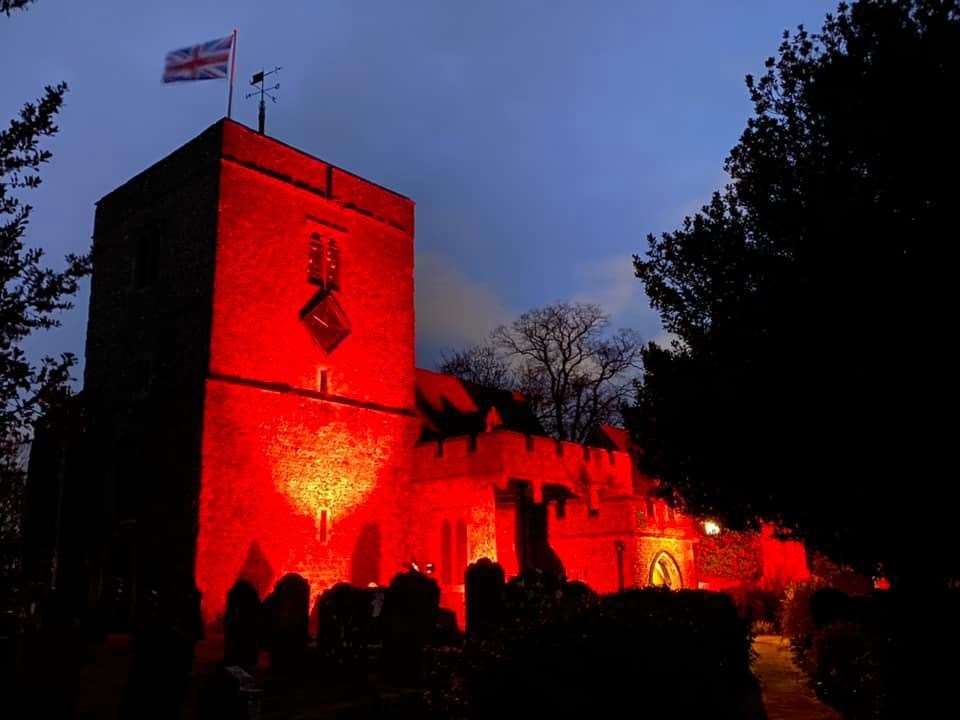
{"x":533,"y":544}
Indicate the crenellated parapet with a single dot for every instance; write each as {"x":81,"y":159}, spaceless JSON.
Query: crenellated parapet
{"x":504,"y":456}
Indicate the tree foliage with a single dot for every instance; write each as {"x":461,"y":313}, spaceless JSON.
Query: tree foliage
{"x":575,"y":373}
{"x":32,"y":296}
{"x":810,"y":298}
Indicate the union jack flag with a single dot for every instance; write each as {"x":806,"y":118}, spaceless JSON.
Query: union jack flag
{"x":207,"y":61}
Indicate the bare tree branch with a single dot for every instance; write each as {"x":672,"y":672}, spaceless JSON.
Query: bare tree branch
{"x":574,"y":374}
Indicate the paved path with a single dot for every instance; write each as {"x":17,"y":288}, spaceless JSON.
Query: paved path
{"x":786,"y":694}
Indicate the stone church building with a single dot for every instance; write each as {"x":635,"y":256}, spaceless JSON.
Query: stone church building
{"x":251,"y":407}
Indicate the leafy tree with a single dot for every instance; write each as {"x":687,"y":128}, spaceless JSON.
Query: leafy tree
{"x":574,"y":372}
{"x":31,"y":297}
{"x":811,"y":300}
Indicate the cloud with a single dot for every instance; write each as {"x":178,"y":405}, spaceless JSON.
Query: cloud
{"x":611,"y":284}
{"x":453,"y":311}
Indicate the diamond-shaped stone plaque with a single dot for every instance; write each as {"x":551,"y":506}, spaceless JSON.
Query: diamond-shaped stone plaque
{"x":326,"y":321}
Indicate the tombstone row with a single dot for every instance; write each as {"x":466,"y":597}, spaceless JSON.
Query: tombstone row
{"x":402,"y":619}
{"x":399,"y":622}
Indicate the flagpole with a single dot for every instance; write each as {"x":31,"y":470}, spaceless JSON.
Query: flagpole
{"x":233,"y":65}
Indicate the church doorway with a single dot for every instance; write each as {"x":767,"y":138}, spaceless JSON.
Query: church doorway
{"x":664,"y":571}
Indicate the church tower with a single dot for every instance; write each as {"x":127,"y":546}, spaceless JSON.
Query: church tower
{"x":270,"y":296}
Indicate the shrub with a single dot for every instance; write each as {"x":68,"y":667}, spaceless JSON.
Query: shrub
{"x":796,"y":619}
{"x":684,"y":653}
{"x":346,"y":626}
{"x":882,"y":656}
{"x":761,"y":606}
{"x":849,"y":669}
{"x":530,"y":599}
{"x":829,"y":606}
{"x":445,"y":632}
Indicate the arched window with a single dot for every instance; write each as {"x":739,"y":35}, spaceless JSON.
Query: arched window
{"x":664,"y":571}
{"x":446,"y":553}
{"x":333,"y":265}
{"x":316,"y":261}
{"x":323,"y":265}
{"x":460,"y":564}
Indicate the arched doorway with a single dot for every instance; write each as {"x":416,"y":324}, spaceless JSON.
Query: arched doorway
{"x":664,"y":571}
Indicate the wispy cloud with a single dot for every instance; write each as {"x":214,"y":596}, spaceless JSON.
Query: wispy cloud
{"x":453,"y":311}
{"x":611,"y":284}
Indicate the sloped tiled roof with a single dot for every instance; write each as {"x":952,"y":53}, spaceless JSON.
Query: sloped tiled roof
{"x":612,"y":437}
{"x":450,"y":407}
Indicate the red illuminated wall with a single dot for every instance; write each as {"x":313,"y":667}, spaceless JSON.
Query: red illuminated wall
{"x":458,"y":479}
{"x":739,"y":559}
{"x":784,"y":560}
{"x":308,"y":458}
{"x":306,"y":455}
{"x":310,"y":461}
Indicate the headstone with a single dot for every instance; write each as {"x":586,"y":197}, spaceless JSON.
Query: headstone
{"x":410,"y":613}
{"x":242,"y":626}
{"x":344,"y":621}
{"x":288,"y":608}
{"x":484,"y":588}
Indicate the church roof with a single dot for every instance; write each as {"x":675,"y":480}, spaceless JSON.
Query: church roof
{"x":450,"y":407}
{"x":612,"y":437}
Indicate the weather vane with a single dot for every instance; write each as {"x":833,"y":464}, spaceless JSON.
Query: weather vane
{"x":262,"y":91}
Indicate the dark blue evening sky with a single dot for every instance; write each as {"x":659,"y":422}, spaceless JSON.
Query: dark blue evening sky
{"x":541,"y":141}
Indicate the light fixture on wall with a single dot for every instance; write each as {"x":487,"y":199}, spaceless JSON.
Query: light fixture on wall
{"x":711,"y":527}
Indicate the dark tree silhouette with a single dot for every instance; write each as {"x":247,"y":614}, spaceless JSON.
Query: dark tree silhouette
{"x":31,"y":298}
{"x":479,"y":364}
{"x":575,"y":373}
{"x":8,"y":6}
{"x":811,"y":300}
